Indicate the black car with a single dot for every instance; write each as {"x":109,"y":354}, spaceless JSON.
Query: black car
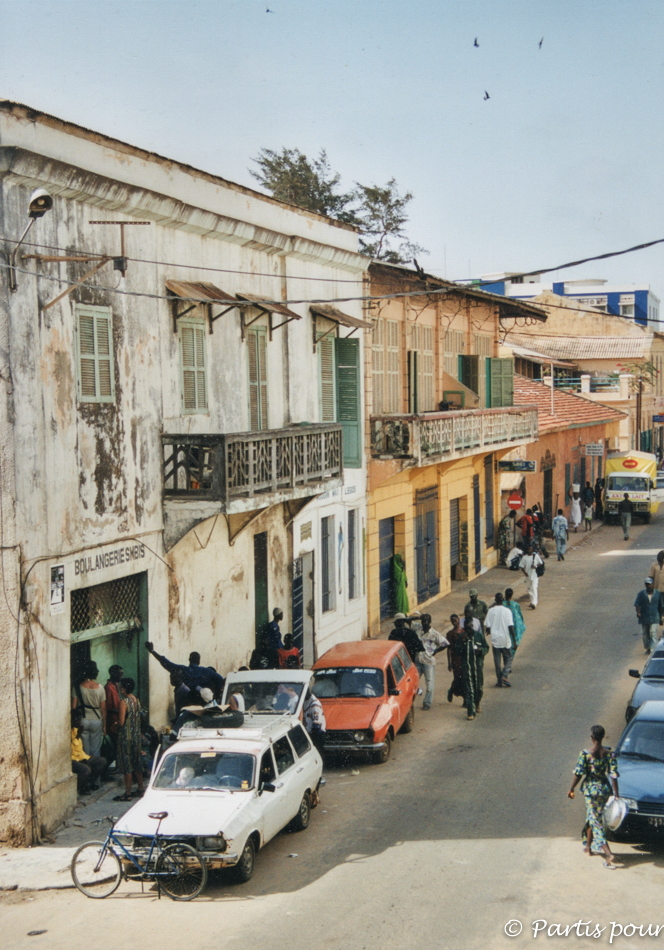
{"x":640,"y":755}
{"x":651,"y":682}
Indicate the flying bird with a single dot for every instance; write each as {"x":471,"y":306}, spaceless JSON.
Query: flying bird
{"x":486,"y":95}
{"x":267,"y":10}
{"x":476,"y":43}
{"x":540,"y":43}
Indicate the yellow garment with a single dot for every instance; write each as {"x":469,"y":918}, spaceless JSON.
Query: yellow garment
{"x":77,"y":753}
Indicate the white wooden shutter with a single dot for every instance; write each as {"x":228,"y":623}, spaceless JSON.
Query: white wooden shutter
{"x":392,"y":389}
{"x":327,"y":379}
{"x":427,"y":388}
{"x":257,"y":353}
{"x":95,"y":354}
{"x":378,"y":366}
{"x":193,"y":368}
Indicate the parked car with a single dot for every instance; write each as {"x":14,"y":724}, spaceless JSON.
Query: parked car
{"x":640,"y":755}
{"x":261,"y":693}
{"x":367,"y":689}
{"x":227,"y":792}
{"x":651,"y":681}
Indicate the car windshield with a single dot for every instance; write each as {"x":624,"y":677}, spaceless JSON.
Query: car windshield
{"x":348,"y":681}
{"x":643,"y":740}
{"x":269,"y":699}
{"x":628,"y":483}
{"x":655,"y":668}
{"x":188,"y":770}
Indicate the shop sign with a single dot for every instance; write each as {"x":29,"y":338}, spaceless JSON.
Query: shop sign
{"x":518,"y":465}
{"x":595,"y":448}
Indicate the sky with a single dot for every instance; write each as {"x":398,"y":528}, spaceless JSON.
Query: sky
{"x":562,"y":161}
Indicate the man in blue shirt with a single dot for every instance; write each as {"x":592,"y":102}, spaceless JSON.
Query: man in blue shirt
{"x":649,"y":610}
{"x":194,"y":676}
{"x":273,"y":631}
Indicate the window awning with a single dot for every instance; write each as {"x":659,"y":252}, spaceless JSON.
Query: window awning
{"x":204,"y":294}
{"x":331,"y":313}
{"x":511,"y":481}
{"x":265,"y":305}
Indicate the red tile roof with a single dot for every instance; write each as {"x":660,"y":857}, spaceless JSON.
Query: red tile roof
{"x":569,"y":410}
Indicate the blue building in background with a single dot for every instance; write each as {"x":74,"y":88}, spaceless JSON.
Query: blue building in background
{"x":634,"y":301}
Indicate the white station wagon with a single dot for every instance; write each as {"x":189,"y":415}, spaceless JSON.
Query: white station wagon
{"x":227,"y":792}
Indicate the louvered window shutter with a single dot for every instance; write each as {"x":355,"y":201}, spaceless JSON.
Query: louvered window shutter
{"x":502,"y":382}
{"x":427,"y":388}
{"x":257,"y":353}
{"x":349,"y":399}
{"x":378,"y":367}
{"x":327,"y":379}
{"x":193,"y":368}
{"x":95,"y":354}
{"x":392,"y":387}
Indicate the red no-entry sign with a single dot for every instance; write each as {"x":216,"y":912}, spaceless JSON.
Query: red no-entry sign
{"x":515,"y":501}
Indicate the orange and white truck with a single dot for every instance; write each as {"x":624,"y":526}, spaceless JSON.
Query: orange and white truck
{"x":632,"y":473}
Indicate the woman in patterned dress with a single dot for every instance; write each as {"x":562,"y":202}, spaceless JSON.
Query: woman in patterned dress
{"x":598,"y":770}
{"x":129,"y":739}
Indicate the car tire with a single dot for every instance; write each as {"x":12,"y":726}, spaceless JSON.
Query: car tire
{"x":303,"y":817}
{"x":244,"y":869}
{"x":409,"y":721}
{"x":383,"y":754}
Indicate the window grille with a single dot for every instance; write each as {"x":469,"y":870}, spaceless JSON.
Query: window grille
{"x":105,"y":608}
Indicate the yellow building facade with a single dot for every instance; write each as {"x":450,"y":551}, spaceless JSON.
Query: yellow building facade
{"x":439,"y":416}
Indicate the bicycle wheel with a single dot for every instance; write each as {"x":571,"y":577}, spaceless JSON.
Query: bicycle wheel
{"x":181,"y":872}
{"x":96,"y":872}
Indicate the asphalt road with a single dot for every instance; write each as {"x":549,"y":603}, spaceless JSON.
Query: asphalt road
{"x":466,"y":828}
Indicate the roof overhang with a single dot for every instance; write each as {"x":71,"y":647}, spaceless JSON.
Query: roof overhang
{"x":265,"y":306}
{"x":338,"y":318}
{"x":197,"y":293}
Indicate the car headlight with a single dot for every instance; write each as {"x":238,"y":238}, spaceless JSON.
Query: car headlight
{"x":631,"y":803}
{"x":360,"y":736}
{"x":215,"y":843}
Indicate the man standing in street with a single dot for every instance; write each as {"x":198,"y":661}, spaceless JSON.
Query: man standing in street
{"x":405,"y":635}
{"x":656,"y":572}
{"x":113,"y":698}
{"x":529,"y":564}
{"x":477,"y":607}
{"x":517,"y":619}
{"x":649,"y":610}
{"x":499,"y":625}
{"x":626,"y":508}
{"x":273,"y":631}
{"x":560,"y":533}
{"x":433,"y":643}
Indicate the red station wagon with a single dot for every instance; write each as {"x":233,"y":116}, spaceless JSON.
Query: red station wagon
{"x":367,"y":689}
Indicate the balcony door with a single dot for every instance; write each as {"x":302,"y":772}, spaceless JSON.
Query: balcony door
{"x":426,"y":543}
{"x":303,"y":607}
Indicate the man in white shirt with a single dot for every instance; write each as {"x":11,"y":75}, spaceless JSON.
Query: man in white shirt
{"x":529,"y":564}
{"x":433,"y":643}
{"x":499,"y":625}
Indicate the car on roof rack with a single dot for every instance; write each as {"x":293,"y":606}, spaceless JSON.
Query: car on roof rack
{"x":228,"y":791}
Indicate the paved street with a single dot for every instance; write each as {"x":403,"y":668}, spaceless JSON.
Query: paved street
{"x":466,"y":827}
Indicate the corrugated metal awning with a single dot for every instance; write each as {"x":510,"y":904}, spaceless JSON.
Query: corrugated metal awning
{"x":269,"y":306}
{"x":199,"y":290}
{"x":331,"y":313}
{"x":511,"y":481}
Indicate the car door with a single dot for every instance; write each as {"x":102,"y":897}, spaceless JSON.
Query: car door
{"x":309,"y":766}
{"x":286,"y":794}
{"x":397,"y":703}
{"x":269,"y":802}
{"x":412,"y":679}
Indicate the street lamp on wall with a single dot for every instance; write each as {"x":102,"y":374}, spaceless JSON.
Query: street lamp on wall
{"x":40,"y":203}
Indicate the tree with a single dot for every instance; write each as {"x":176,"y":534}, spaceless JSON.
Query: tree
{"x":378,"y":212}
{"x":291,"y":177}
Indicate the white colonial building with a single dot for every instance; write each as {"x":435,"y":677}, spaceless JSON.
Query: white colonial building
{"x":180,"y":433}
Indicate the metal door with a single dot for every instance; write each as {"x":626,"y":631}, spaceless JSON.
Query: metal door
{"x":385,"y":555}
{"x":548,"y":495}
{"x":260,"y":581}
{"x":454,"y":534}
{"x":488,"y":500}
{"x":426,"y":543}
{"x":477,"y":523}
{"x":303,"y":608}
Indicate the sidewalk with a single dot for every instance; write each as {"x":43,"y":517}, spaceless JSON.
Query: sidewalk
{"x":46,"y":867}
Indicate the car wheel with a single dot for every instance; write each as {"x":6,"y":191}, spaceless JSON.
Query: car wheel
{"x":244,"y":869}
{"x":409,"y":721}
{"x":301,"y":820}
{"x":383,"y":754}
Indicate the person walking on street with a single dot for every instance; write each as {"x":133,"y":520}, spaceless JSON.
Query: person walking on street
{"x":129,"y":740}
{"x":598,"y":770}
{"x":506,"y":535}
{"x":525,"y":522}
{"x":517,"y":619}
{"x":273,"y":630}
{"x":649,"y":612}
{"x":575,"y":515}
{"x":112,"y":690}
{"x":499,"y":625}
{"x":626,"y":508}
{"x":599,"y":507}
{"x":529,"y":564}
{"x":408,"y":637}
{"x":657,"y":572}
{"x":588,"y":495}
{"x":471,"y":647}
{"x":478,"y":608}
{"x":433,"y":643}
{"x":454,"y":659}
{"x":560,"y":534}
{"x":588,"y":517}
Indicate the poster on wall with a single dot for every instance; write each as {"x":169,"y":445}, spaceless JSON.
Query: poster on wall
{"x":58,"y":589}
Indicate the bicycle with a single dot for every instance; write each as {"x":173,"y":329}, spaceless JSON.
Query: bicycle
{"x":179,"y":870}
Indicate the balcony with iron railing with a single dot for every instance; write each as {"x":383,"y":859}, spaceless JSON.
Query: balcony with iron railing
{"x":614,"y":387}
{"x":438,"y":436}
{"x":241,"y":472}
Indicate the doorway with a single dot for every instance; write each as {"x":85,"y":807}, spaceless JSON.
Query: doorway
{"x":548,"y":495}
{"x":385,"y":556}
{"x":426,"y":543}
{"x":477,"y":523}
{"x":455,"y":558}
{"x":303,"y":608}
{"x":261,"y":617}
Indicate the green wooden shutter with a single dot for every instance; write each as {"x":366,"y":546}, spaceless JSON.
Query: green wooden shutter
{"x":257,"y":350}
{"x":95,"y":354}
{"x":349,"y":399}
{"x":469,"y":372}
{"x":502,"y":382}
{"x":192,"y":365}
{"x":327,"y":379}
{"x":413,"y":382}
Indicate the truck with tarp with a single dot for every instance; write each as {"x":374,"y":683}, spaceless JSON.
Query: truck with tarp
{"x":632,"y":473}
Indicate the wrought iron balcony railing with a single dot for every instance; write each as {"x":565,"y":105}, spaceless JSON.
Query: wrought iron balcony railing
{"x":449,"y":434}
{"x":239,"y":466}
